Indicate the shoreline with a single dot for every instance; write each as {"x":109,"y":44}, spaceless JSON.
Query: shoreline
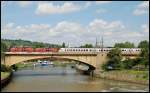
{"x":122,"y":77}
{"x":6,"y":80}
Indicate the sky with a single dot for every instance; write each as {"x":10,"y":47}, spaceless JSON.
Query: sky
{"x":75,"y":22}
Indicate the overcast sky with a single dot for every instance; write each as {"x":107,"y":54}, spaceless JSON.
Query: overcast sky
{"x":76,"y":22}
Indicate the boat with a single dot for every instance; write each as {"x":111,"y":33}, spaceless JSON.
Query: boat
{"x":82,"y":67}
{"x":44,"y":63}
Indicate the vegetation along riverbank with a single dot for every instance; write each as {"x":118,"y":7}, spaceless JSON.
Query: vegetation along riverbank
{"x":132,"y":70}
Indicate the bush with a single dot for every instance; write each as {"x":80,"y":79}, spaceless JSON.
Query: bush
{"x":14,"y":67}
{"x":127,"y":64}
{"x":5,"y":68}
{"x":104,"y":67}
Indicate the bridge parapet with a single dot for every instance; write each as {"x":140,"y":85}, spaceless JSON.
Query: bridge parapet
{"x":65,"y":53}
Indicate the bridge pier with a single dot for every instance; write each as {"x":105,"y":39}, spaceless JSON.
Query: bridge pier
{"x":100,"y":60}
{"x":92,"y":73}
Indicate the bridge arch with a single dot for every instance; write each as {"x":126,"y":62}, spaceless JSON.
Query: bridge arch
{"x":20,"y":59}
{"x":92,"y":58}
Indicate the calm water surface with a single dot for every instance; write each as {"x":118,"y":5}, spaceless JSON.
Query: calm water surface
{"x":60,"y":79}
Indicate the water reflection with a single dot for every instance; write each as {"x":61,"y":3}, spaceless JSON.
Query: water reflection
{"x":66,"y":79}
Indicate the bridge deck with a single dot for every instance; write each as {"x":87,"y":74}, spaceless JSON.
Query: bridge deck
{"x":50,"y":53}
{"x":63,"y":53}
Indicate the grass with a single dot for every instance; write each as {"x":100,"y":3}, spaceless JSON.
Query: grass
{"x":4,"y":75}
{"x":21,"y":65}
{"x":138,"y":75}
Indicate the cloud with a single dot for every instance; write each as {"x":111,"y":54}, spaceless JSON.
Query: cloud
{"x":50,"y":8}
{"x":142,"y":8}
{"x":75,"y":33}
{"x":9,"y":25}
{"x":27,"y":32}
{"x":24,"y":3}
{"x":145,"y":28}
{"x":99,"y":11}
{"x":103,"y":2}
{"x":99,"y":24}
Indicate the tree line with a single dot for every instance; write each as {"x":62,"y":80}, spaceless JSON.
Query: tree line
{"x":7,"y":43}
{"x":115,"y":61}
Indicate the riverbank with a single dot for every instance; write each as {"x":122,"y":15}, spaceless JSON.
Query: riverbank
{"x":5,"y":78}
{"x":4,"y":75}
{"x":139,"y":77}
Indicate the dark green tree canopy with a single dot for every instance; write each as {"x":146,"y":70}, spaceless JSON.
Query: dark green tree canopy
{"x":63,"y":45}
{"x":87,"y":46}
{"x":3,"y":47}
{"x":24,"y":43}
{"x":114,"y":52}
{"x":124,"y":45}
{"x":114,"y":59}
{"x":144,"y":44}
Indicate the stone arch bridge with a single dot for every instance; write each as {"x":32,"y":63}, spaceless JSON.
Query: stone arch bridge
{"x":93,"y":59}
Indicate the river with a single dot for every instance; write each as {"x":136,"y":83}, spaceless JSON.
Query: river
{"x":65,"y":79}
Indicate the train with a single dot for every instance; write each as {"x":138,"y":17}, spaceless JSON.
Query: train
{"x":105,"y":50}
{"x":30,"y":49}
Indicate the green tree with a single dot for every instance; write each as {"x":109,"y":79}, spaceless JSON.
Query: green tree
{"x":3,"y":49}
{"x":127,"y":64}
{"x":114,"y":59}
{"x":143,"y":44}
{"x":144,"y":56}
{"x":22,"y":43}
{"x":124,"y":45}
{"x":144,"y":60}
{"x":63,"y":45}
{"x":87,"y":46}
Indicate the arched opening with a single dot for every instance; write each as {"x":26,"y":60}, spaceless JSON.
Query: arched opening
{"x":91,"y":68}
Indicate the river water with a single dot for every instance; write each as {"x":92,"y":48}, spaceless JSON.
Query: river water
{"x":65,"y":79}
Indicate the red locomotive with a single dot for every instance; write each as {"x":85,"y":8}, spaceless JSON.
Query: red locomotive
{"x":27,"y":49}
{"x":30,"y":49}
{"x":40,"y":50}
{"x":19,"y":49}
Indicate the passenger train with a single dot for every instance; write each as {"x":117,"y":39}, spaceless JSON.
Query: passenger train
{"x":106,"y":50}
